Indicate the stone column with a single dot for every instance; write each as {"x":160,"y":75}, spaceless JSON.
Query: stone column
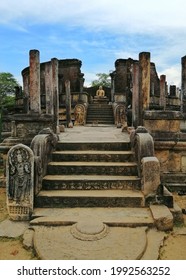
{"x":173,"y":90}
{"x":163,"y":91}
{"x":112,"y":75}
{"x":35,"y":103}
{"x":25,"y":75}
{"x":81,"y":81}
{"x":48,"y":88}
{"x":68,"y":103}
{"x":55,"y":92}
{"x":183,"y":84}
{"x":144,"y":83}
{"x":135,"y":95}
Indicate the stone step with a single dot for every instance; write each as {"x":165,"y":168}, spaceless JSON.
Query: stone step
{"x":100,"y":111}
{"x":101,"y":118}
{"x":84,"y":146}
{"x":112,"y":216}
{"x":94,"y":182}
{"x":99,"y":122}
{"x":108,"y":156}
{"x":92,"y":168}
{"x":89,"y":198}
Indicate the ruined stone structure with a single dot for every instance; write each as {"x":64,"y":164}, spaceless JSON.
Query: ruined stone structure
{"x":138,"y":100}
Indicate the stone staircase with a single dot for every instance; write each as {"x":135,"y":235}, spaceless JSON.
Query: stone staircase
{"x":98,"y":174}
{"x":100,"y":113}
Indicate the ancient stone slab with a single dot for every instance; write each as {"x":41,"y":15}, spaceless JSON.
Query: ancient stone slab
{"x":28,"y":238}
{"x":120,"y":116}
{"x":80,"y":114}
{"x":150,"y":175}
{"x":163,"y":218}
{"x":20,"y":182}
{"x":121,"y":243}
{"x":12,"y":229}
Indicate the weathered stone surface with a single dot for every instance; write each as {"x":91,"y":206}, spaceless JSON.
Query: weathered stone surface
{"x":150,"y":175}
{"x":144,"y":84}
{"x":80,"y":114}
{"x":13,"y":229}
{"x":163,"y":91}
{"x":68,"y":102}
{"x":135,"y":95}
{"x":42,"y":145}
{"x":162,"y":125}
{"x":28,"y":238}
{"x":120,"y":243}
{"x":35,"y":104}
{"x":55,"y":92}
{"x":162,"y":217}
{"x":20,"y":182}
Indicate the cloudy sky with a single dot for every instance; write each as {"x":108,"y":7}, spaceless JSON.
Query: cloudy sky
{"x":97,"y":32}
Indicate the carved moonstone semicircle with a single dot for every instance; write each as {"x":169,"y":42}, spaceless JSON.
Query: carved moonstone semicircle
{"x":89,"y":230}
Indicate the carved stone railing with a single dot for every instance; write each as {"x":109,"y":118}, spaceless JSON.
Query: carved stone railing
{"x":42,"y":146}
{"x":148,"y":165}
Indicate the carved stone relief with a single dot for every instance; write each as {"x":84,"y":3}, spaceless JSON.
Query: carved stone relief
{"x":20,"y":180}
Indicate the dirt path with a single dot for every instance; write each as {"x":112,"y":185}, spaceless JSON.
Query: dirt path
{"x":173,"y":248}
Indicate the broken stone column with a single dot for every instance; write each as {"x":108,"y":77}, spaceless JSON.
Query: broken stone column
{"x":163,"y":91}
{"x":48,"y":88}
{"x":55,"y":92}
{"x":135,"y":95}
{"x":35,"y":103}
{"x":183,"y":83}
{"x":20,"y":182}
{"x":144,"y":83}
{"x":172,"y":90}
{"x":68,"y":103}
{"x":150,"y":175}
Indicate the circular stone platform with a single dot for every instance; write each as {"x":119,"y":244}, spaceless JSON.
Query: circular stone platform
{"x":118,"y":243}
{"x":89,"y":230}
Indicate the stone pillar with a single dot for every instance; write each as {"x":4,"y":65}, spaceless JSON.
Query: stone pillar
{"x":112,"y":75}
{"x":81,"y":81}
{"x":172,"y":90}
{"x":48,"y":88}
{"x":135,"y":95}
{"x":163,"y":91}
{"x":25,"y":75}
{"x":68,"y":103}
{"x":35,"y":103}
{"x":183,"y":84}
{"x":144,"y":83}
{"x":55,"y":92}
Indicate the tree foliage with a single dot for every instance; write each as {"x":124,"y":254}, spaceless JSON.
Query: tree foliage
{"x":7,"y":85}
{"x":7,"y":92}
{"x":103,"y":80}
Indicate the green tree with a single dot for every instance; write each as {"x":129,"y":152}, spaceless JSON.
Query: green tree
{"x":103,"y":80}
{"x":7,"y":92}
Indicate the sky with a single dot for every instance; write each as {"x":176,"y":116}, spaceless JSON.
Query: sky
{"x":97,"y":32}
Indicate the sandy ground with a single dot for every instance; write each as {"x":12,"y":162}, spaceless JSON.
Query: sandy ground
{"x":173,"y":248}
